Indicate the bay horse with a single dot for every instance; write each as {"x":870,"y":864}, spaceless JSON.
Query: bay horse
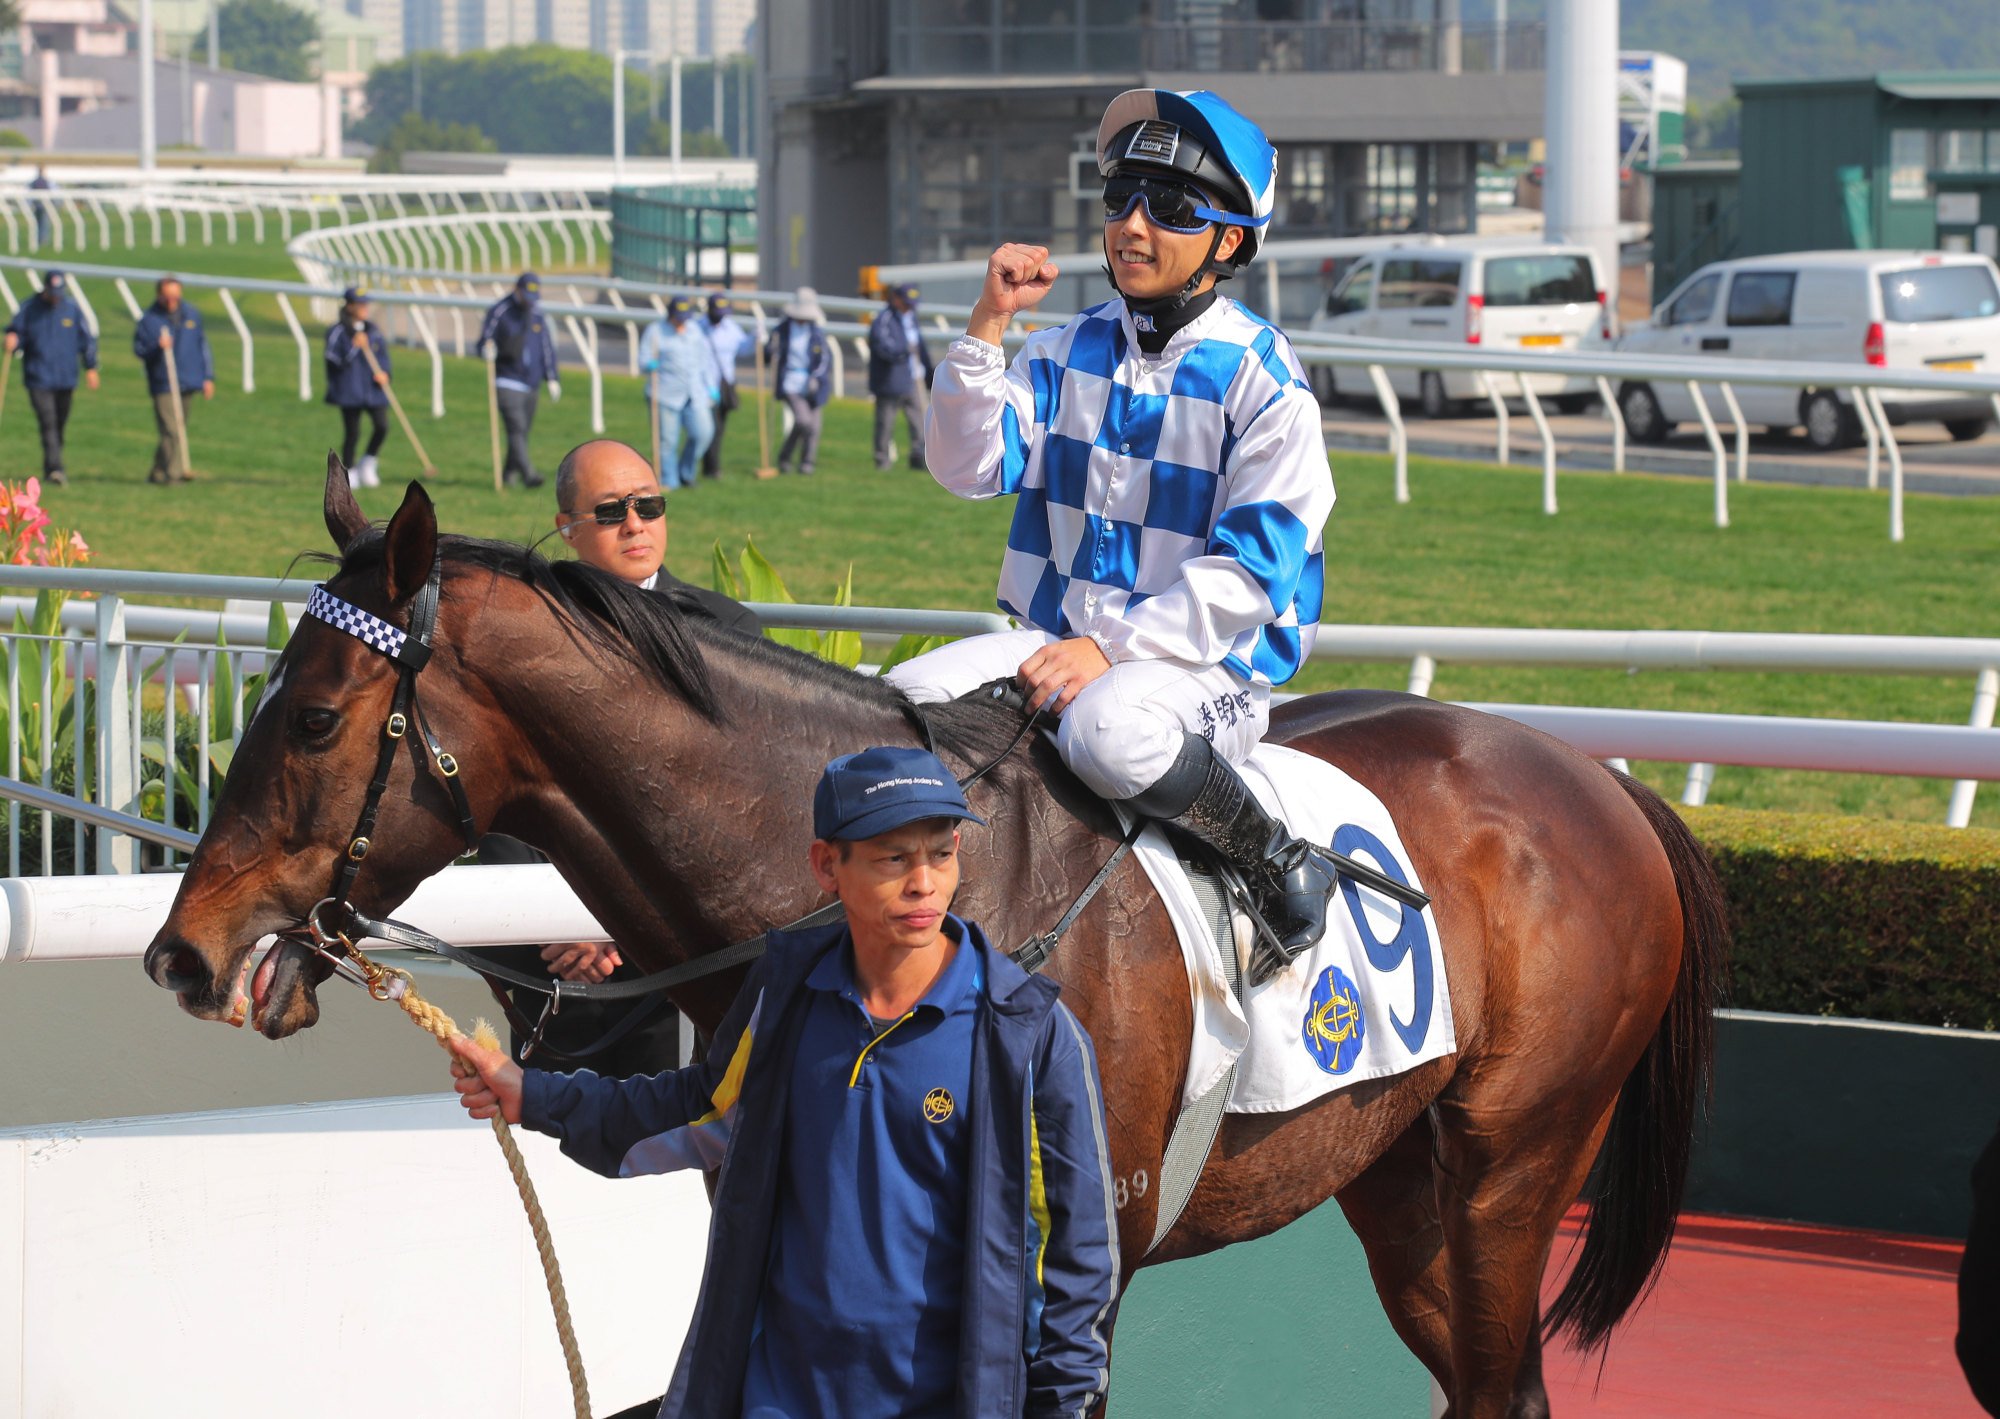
{"x":667,"y":766}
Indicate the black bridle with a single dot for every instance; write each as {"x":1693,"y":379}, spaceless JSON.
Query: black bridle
{"x":334,"y":924}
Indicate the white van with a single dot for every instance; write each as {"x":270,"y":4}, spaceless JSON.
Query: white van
{"x":1503,"y":296}
{"x":1909,"y":309}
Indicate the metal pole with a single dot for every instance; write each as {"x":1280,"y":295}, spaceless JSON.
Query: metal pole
{"x":675,"y":99}
{"x":1581,"y":129}
{"x":618,"y":116}
{"x":148,"y":141}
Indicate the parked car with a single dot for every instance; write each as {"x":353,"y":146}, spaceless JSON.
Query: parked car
{"x":1511,"y":296}
{"x":1895,"y":309}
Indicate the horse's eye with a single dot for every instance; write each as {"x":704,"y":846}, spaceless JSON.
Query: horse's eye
{"x":314,"y":723}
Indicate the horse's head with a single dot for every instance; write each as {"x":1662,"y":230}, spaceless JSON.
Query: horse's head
{"x":283,"y":826}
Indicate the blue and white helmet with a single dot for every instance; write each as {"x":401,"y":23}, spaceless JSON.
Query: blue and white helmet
{"x":1199,"y":137}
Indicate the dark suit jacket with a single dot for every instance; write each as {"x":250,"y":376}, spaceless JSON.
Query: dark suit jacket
{"x":652,"y":1046}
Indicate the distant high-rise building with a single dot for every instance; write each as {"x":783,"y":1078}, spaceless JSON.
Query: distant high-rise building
{"x":693,"y":29}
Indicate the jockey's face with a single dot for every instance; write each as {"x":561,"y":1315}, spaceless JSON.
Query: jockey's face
{"x":631,"y":549}
{"x":896,"y":887}
{"x":1149,"y":261}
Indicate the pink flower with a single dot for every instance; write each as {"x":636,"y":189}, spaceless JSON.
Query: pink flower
{"x":78,"y":546}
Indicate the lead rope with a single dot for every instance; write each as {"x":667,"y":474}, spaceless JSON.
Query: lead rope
{"x":389,"y":983}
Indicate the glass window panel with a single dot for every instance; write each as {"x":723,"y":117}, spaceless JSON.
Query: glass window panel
{"x":1959,"y":150}
{"x":1696,"y":303}
{"x":1909,"y":164}
{"x":1938,"y":293}
{"x":1993,"y":150}
{"x":1539,"y":280}
{"x":1761,"y":298}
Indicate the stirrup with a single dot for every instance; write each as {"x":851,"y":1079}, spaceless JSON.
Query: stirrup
{"x":1270,"y":957}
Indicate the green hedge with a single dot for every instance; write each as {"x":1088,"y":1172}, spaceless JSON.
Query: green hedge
{"x":1859,"y":917}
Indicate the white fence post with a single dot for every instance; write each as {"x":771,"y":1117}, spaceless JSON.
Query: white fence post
{"x":1985,"y":697}
{"x":243,"y":334}
{"x":1399,"y":438}
{"x":116,"y":786}
{"x":305,"y":349}
{"x":1721,"y":457}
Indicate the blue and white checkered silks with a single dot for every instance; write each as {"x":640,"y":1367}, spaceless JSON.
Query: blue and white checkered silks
{"x":1170,"y":507}
{"x":370,"y":630}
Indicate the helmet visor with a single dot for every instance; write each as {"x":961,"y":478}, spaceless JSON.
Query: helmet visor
{"x":1172,"y":206}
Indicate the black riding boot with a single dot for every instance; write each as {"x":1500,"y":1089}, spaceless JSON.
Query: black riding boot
{"x":1203,"y":795}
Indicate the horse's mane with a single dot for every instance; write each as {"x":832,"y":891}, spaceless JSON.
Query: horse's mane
{"x":617,"y":618}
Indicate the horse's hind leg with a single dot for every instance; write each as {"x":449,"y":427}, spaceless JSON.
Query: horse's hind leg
{"x":1504,"y":1185}
{"x":1394,"y":1211}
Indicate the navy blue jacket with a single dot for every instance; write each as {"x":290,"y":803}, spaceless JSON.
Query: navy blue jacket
{"x":350,"y":384}
{"x":819,"y":363}
{"x":1041,"y":1269}
{"x":54,"y":342}
{"x":194,"y":362}
{"x":889,"y":355}
{"x":520,"y":334}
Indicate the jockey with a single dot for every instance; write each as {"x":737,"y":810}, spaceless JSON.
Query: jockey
{"x":1171,"y":480}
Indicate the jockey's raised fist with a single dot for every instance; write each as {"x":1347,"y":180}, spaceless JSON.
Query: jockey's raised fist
{"x":1017,"y":277}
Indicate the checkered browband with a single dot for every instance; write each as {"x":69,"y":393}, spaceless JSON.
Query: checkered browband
{"x":370,"y":630}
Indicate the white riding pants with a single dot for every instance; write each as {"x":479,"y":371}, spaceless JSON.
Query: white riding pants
{"x":1123,"y":730}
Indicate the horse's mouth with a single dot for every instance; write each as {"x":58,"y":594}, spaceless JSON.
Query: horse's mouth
{"x":283,"y":995}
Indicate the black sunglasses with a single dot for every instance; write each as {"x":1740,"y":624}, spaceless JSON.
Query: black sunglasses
{"x":649,"y":506}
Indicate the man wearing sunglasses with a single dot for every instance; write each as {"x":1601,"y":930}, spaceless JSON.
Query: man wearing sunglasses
{"x":1172,"y":485}
{"x":612,"y":514}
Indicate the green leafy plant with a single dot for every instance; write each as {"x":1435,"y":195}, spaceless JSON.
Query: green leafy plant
{"x":760,"y":581}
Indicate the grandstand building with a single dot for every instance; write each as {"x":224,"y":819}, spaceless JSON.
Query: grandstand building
{"x":948,"y":126}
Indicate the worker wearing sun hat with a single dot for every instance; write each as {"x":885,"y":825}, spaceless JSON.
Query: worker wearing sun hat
{"x":1171,"y":486}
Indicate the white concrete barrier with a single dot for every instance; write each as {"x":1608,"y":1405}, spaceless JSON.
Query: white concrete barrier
{"x":326,"y":1261}
{"x":97,"y":918}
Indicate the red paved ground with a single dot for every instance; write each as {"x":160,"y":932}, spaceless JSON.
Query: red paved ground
{"x":1780,"y":1321}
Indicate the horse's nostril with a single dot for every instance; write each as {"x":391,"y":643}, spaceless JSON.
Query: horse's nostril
{"x":180,"y":969}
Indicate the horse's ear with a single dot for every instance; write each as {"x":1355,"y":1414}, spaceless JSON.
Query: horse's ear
{"x":410,"y":545}
{"x":344,"y":518}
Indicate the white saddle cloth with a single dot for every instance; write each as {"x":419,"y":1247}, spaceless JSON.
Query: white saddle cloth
{"x":1369,"y":1001}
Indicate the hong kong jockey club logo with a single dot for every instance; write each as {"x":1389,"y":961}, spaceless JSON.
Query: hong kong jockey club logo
{"x":1334,"y":1025}
{"x":938,"y":1105}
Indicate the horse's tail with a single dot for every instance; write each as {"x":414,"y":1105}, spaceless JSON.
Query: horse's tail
{"x":1636,"y":1188}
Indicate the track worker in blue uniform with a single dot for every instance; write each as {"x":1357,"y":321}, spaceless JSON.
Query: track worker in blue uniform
{"x":914,"y":1215}
{"x":515,"y":336}
{"x":53,"y":340}
{"x":899,"y":375}
{"x":171,"y":329}
{"x":1171,"y":488}
{"x":354,"y":388}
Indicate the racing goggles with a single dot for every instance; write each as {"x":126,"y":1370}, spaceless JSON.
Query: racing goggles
{"x":1171,"y":206}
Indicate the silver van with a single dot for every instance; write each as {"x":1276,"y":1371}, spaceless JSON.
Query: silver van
{"x":1496,"y":295}
{"x":1907,"y":309}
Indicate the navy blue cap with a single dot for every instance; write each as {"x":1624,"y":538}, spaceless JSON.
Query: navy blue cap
{"x":718,"y":302}
{"x":53,"y":281}
{"x":528,"y":281}
{"x":908,"y":293}
{"x":680,"y":305}
{"x":879,"y":790}
{"x":354,"y":295}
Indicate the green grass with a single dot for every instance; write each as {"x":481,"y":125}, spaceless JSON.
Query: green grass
{"x":1472,"y":548}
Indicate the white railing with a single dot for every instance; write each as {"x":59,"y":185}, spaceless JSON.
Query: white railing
{"x":104,"y":215}
{"x":147,"y":694}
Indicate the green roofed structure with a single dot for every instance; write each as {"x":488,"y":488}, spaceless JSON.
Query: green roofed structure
{"x":1892,"y":160}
